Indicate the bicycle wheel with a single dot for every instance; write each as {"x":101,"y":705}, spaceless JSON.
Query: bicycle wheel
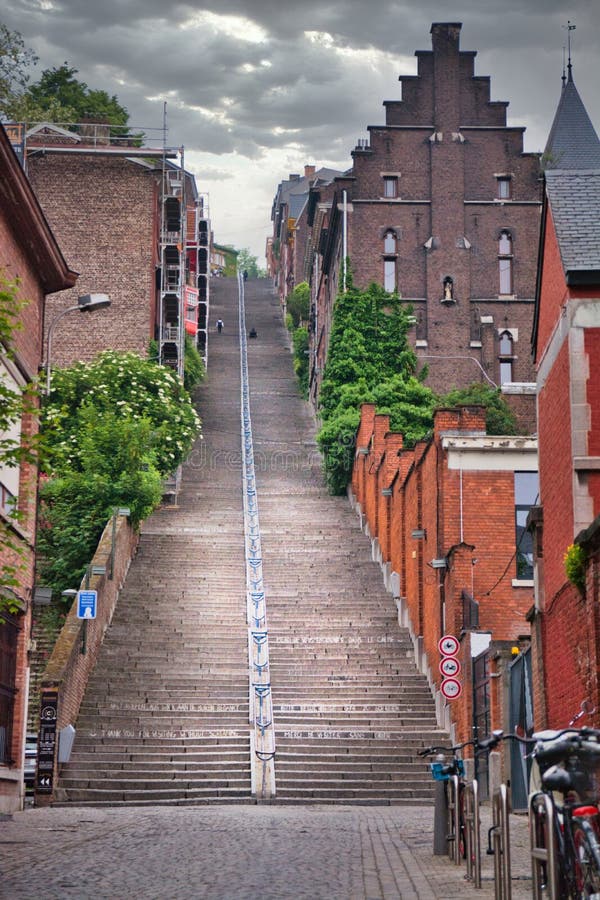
{"x":587,"y":854}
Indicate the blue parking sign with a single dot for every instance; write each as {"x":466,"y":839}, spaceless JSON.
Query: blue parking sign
{"x":86,"y":604}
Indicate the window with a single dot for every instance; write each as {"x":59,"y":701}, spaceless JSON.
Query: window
{"x":503,"y":188}
{"x":389,"y":275}
{"x":389,"y":242}
{"x":9,"y":632}
{"x":526,"y":496}
{"x":506,"y":354}
{"x":505,"y":263}
{"x":390,"y":186}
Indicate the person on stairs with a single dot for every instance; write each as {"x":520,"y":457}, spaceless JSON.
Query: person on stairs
{"x":219,"y":325}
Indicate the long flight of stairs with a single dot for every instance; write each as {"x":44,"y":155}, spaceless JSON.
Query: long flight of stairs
{"x":165,"y":717}
{"x":350,"y":707}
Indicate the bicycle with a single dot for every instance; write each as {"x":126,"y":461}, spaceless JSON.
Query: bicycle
{"x":461,"y":802}
{"x":565,"y":834}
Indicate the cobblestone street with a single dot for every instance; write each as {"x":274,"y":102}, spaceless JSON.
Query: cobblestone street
{"x":237,"y":852}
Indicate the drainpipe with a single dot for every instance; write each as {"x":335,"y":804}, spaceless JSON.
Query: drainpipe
{"x":345,"y":236}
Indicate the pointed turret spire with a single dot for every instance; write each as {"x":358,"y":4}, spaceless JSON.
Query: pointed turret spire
{"x":572,"y":142}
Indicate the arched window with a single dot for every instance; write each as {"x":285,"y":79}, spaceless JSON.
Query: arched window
{"x":506,"y":357}
{"x":505,"y":262}
{"x":389,"y":242}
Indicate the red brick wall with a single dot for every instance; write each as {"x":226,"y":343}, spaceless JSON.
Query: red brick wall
{"x":112,"y":200}
{"x":553,"y":289}
{"x":68,"y":669}
{"x":477,"y":522}
{"x":556,"y":483}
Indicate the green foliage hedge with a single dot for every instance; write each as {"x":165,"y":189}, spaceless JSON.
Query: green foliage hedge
{"x":370,"y":361}
{"x":113,"y":429}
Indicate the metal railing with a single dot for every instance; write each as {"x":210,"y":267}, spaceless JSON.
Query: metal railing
{"x":472,"y":831}
{"x":543,"y":848}
{"x":260,"y":699}
{"x":500,"y":843}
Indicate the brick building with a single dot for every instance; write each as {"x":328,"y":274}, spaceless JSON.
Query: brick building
{"x":447,"y":523}
{"x":135,"y":228}
{"x":566,"y":342}
{"x":442,"y":205}
{"x":287,"y":250}
{"x":30,"y":254}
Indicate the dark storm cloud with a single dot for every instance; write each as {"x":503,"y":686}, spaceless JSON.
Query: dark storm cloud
{"x":243,"y":81}
{"x":259,"y":83}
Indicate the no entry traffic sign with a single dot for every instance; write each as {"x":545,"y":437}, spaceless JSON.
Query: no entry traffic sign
{"x":448,"y":645}
{"x":451,"y":688}
{"x":449,"y":666}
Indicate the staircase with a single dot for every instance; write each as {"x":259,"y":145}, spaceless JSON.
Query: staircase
{"x":350,"y":707}
{"x":165,"y":717}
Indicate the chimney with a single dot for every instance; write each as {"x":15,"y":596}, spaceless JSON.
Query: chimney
{"x":309,"y":171}
{"x":294,"y":177}
{"x":445,"y":37}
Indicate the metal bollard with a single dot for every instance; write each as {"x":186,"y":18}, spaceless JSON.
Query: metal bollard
{"x":440,"y":820}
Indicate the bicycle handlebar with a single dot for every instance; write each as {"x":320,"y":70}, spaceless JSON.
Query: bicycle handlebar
{"x":427,"y":751}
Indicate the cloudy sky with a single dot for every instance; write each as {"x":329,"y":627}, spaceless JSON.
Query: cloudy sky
{"x":257,"y":88}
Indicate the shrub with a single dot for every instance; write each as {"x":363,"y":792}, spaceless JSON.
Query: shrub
{"x":575,"y":562}
{"x":132,"y":387}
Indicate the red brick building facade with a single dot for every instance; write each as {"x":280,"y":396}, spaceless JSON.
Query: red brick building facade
{"x":566,"y":343}
{"x":442,"y":205}
{"x":446,"y":519}
{"x":135,"y":228}
{"x":31,"y":256}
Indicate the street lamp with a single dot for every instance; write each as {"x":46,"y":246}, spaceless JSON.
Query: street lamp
{"x":85,"y":303}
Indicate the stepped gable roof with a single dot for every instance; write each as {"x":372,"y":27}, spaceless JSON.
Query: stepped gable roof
{"x":572,"y":142}
{"x":574,"y":198}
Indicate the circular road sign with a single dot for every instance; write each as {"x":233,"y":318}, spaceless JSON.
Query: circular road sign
{"x":451,"y":688}
{"x":448,"y":645}
{"x":449,"y":666}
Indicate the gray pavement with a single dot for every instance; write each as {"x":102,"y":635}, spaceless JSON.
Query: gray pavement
{"x":237,"y":852}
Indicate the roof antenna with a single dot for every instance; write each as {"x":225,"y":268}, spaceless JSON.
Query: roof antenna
{"x":564,"y":71}
{"x":569,"y":29}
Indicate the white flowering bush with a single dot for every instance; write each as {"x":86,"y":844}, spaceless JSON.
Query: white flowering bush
{"x":112,"y":430}
{"x":131,"y":388}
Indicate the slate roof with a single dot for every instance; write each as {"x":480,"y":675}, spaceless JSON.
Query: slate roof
{"x":574,"y":198}
{"x":572,"y":142}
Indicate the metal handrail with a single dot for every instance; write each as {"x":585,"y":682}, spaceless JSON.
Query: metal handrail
{"x":259,"y":685}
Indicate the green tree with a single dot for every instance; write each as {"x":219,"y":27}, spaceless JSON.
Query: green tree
{"x":369,"y":360}
{"x":248,"y":263}
{"x":193,"y":367}
{"x":133,"y":387}
{"x":59,"y":85}
{"x":117,"y":468}
{"x":301,"y":362}
{"x":14,"y":451}
{"x":15,"y":59}
{"x":298,"y":304}
{"x":112,"y":430}
{"x":499,"y":417}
